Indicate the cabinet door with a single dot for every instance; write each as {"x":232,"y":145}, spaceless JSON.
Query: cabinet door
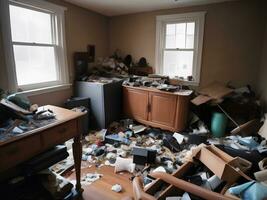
{"x":135,"y":103}
{"x":162,"y":109}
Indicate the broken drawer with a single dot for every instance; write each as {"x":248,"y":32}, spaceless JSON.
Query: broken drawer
{"x":59,"y":134}
{"x":13,"y":153}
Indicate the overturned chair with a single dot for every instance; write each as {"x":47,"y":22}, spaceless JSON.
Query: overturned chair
{"x":225,"y":167}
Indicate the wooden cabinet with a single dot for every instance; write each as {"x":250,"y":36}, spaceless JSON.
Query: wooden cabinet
{"x":162,"y":108}
{"x":136,"y":102}
{"x":156,"y":108}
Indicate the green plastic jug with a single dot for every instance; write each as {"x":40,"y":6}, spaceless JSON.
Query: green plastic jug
{"x":218,"y":124}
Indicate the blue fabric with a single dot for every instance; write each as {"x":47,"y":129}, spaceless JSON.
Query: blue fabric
{"x":250,"y":191}
{"x":249,"y":142}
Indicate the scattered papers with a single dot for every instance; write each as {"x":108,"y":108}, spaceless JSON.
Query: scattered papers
{"x":138,"y":129}
{"x":90,"y":178}
{"x":178,"y":137}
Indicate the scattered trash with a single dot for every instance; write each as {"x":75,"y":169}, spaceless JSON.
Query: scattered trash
{"x":263,"y":164}
{"x":117,"y":138}
{"x":131,"y":147}
{"x":90,"y":178}
{"x":178,"y":137}
{"x":170,"y":142}
{"x":263,"y":129}
{"x":250,"y":191}
{"x":142,"y":156}
{"x":184,"y":197}
{"x":116,"y":188}
{"x":124,"y":164}
{"x":159,"y":169}
{"x":138,"y":128}
{"x":261,"y":176}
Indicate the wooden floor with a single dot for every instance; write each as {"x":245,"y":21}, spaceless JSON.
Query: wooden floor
{"x":101,"y":189}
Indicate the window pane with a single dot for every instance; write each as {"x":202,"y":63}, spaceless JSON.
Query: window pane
{"x":170,"y":42}
{"x":178,"y":63}
{"x":170,"y":36}
{"x":190,"y":31}
{"x":30,"y":25}
{"x":34,"y":64}
{"x":180,"y":35}
{"x":175,"y":36}
{"x":170,"y":29}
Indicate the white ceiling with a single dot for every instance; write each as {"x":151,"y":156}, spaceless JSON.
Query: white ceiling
{"x":121,"y":7}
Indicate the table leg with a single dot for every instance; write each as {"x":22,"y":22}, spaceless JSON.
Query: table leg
{"x":77,"y":155}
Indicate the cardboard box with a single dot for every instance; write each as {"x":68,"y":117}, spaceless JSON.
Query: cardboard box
{"x":214,"y":91}
{"x":221,"y":164}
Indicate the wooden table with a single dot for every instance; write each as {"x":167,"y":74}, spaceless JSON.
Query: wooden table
{"x":18,"y":149}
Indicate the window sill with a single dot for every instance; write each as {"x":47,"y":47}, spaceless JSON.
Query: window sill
{"x":45,"y":90}
{"x":190,"y":83}
{"x":185,"y":82}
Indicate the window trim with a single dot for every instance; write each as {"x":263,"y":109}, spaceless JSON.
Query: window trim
{"x":161,"y":21}
{"x":60,"y":47}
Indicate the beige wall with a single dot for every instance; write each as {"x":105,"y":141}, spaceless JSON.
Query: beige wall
{"x":232,"y":39}
{"x":262,"y":78}
{"x":83,"y":27}
{"x":231,"y":50}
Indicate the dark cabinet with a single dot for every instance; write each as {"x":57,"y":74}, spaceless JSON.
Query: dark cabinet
{"x":105,"y":100}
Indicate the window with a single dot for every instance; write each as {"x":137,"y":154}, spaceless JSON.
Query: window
{"x":179,"y":45}
{"x":36,"y":46}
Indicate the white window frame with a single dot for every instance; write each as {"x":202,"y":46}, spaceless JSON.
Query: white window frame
{"x":60,"y":46}
{"x":161,"y":21}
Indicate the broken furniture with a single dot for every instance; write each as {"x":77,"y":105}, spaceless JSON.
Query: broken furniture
{"x":105,"y":99}
{"x":23,"y":147}
{"x":156,"y":108}
{"x":225,"y":167}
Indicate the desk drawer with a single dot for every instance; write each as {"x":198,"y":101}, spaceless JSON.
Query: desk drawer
{"x":19,"y":151}
{"x":60,"y":133}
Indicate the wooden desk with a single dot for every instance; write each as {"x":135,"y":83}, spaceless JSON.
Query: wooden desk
{"x":20,"y":148}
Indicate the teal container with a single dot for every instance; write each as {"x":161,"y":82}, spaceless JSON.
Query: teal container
{"x":218,"y":124}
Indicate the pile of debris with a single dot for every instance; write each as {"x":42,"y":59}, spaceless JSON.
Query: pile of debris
{"x":140,"y":150}
{"x":159,"y":82}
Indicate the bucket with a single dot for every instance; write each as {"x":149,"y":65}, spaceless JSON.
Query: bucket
{"x":218,"y":124}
